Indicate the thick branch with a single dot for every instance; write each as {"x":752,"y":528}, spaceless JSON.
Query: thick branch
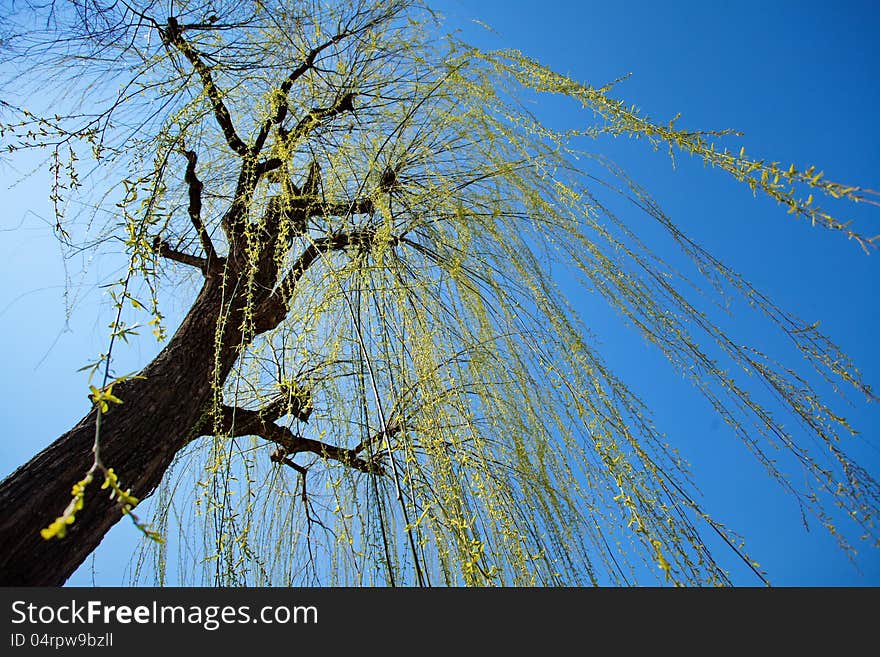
{"x":298,"y":404}
{"x":233,"y":220}
{"x":296,"y":207}
{"x":246,"y":422}
{"x":393,"y":429}
{"x":282,"y":108}
{"x":195,"y":206}
{"x":294,"y":444}
{"x":163,"y":249}
{"x":273,"y":310}
{"x":267,"y":165}
{"x":240,"y":422}
{"x":172,"y":34}
{"x":314,"y":118}
{"x":317,"y":207}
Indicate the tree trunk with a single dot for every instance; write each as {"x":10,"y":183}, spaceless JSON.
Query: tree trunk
{"x":139,"y":439}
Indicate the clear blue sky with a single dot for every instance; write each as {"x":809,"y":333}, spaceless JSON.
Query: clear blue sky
{"x":798,"y":78}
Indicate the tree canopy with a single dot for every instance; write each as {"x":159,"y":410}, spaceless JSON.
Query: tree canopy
{"x":398,"y":390}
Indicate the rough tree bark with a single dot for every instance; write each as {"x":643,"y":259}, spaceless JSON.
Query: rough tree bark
{"x":139,"y":439}
{"x":173,"y":400}
{"x":168,"y":405}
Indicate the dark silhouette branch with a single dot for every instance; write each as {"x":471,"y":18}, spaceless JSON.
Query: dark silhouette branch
{"x":280,"y":456}
{"x":246,"y":422}
{"x":314,"y":118}
{"x":284,"y":88}
{"x":273,"y":310}
{"x":392,"y":430}
{"x":172,"y":34}
{"x":264,"y":167}
{"x":195,"y":207}
{"x":163,"y":249}
{"x":317,"y":207}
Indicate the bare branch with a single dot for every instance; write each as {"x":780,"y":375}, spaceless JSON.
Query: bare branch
{"x":195,"y":207}
{"x":246,"y":422}
{"x":172,"y":35}
{"x":273,"y":310}
{"x":284,"y":88}
{"x":163,"y":249}
{"x":266,"y":166}
{"x":279,"y":455}
{"x":392,"y":430}
{"x":315,"y":206}
{"x":315,"y":117}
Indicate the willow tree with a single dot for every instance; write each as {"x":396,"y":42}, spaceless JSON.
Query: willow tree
{"x":379,"y":380}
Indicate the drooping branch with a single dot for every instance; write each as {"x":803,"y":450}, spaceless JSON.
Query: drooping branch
{"x":172,"y":34}
{"x":195,"y":207}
